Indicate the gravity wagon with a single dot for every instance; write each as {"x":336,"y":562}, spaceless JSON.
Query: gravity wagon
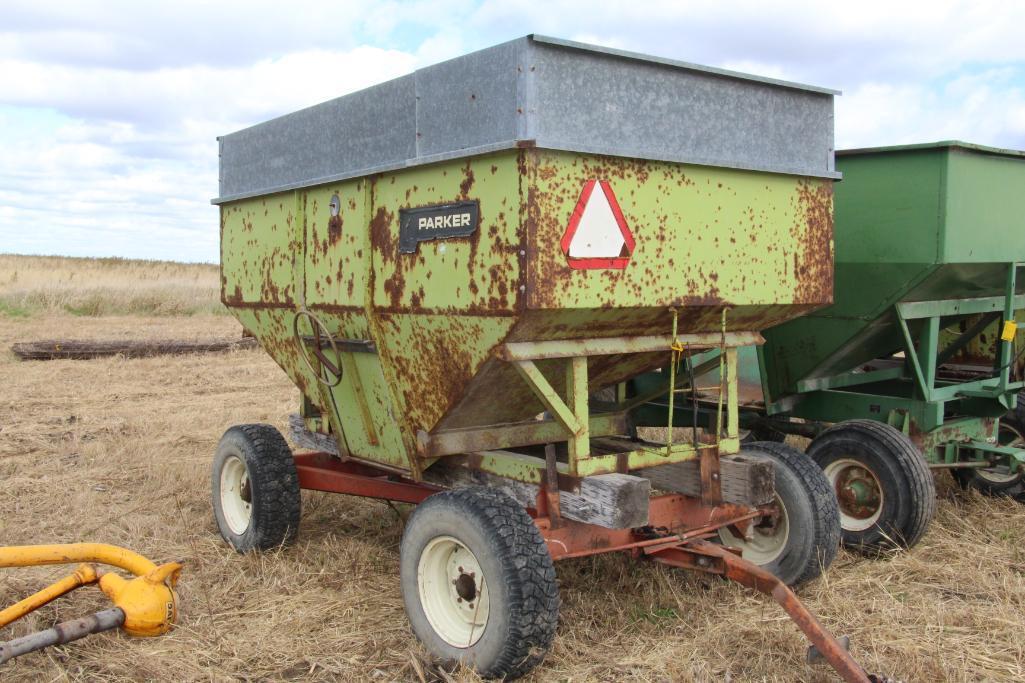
{"x":459,"y":267}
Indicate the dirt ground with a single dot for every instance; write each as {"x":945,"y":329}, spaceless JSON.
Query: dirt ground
{"x":119,"y":451}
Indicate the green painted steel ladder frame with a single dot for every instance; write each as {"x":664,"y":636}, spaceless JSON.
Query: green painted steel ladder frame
{"x":943,"y":442}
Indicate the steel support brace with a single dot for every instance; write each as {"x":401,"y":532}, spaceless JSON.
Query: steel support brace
{"x":324,"y":472}
{"x":573,"y":413}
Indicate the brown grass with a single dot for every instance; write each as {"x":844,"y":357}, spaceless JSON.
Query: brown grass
{"x":106,"y":286}
{"x":119,"y":451}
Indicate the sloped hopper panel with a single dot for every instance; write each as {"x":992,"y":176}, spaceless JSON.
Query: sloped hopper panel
{"x":915,"y":223}
{"x":705,"y":239}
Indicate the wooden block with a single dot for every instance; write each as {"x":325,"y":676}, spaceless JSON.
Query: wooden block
{"x":612,"y":501}
{"x":304,"y":438}
{"x":745,"y":479}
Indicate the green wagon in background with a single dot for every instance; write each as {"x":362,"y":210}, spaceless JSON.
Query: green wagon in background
{"x":916,"y":354}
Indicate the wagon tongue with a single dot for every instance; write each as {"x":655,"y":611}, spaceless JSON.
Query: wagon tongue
{"x":715,"y":559}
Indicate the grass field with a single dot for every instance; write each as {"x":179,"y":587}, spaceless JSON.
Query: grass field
{"x":106,"y":286}
{"x":119,"y":451}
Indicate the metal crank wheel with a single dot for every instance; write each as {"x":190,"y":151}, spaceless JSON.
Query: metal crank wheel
{"x":327,"y":373}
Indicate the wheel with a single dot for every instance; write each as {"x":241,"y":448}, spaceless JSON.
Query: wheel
{"x":801,"y":538}
{"x":255,"y":488}
{"x":883,"y":485}
{"x":478,"y":583}
{"x":1009,"y":433}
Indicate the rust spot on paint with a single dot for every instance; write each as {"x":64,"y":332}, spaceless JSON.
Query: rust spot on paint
{"x":334,"y":229}
{"x":813,"y":234}
{"x":467,"y":184}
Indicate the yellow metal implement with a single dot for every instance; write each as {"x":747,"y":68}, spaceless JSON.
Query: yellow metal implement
{"x":143,"y":606}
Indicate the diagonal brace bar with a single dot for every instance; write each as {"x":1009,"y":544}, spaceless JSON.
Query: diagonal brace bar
{"x":547,"y":395}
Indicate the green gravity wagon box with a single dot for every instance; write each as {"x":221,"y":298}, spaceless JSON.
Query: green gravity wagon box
{"x":460,"y":268}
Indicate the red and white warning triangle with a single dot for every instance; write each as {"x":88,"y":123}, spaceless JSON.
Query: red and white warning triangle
{"x":597,"y":235}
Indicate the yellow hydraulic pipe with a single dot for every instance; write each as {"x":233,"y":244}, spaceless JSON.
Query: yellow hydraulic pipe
{"x":148,"y":600}
{"x":35,"y":555}
{"x":84,"y":574}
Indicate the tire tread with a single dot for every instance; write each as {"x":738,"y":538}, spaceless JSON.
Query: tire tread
{"x":912,"y":465}
{"x":275,"y":481}
{"x":826,"y":514}
{"x":528,"y":572}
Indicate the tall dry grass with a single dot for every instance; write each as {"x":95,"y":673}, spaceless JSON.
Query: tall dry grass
{"x":119,"y":451}
{"x":106,"y":286}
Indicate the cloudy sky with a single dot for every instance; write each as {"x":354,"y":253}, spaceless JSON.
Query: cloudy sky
{"x":109,"y":110}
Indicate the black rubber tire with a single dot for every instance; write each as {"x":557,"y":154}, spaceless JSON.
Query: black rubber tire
{"x":812,"y":514}
{"x":908,"y":488}
{"x":274,"y":487}
{"x":1009,"y":431}
{"x":520,"y":575}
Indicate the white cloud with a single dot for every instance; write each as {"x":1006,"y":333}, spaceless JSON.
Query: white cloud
{"x":988,"y":107}
{"x":109,"y":110}
{"x":130,"y":165}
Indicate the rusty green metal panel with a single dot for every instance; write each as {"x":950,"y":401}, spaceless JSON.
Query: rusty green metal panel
{"x":758,"y":243}
{"x":258,"y":249}
{"x":336,"y":249}
{"x":435,"y":318}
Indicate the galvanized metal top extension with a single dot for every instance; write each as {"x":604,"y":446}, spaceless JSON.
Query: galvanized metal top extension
{"x":544,"y":92}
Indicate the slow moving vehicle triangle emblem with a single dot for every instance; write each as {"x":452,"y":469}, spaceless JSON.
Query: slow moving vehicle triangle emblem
{"x":597,"y":235}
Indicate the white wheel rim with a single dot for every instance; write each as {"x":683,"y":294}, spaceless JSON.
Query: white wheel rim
{"x":768,"y":538}
{"x":846,"y":476}
{"x":236,"y":496}
{"x":453,"y":592}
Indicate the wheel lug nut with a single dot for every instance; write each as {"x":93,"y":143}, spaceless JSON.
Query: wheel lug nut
{"x":459,"y":599}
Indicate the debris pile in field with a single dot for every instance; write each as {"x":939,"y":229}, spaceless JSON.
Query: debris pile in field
{"x":70,"y":349}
